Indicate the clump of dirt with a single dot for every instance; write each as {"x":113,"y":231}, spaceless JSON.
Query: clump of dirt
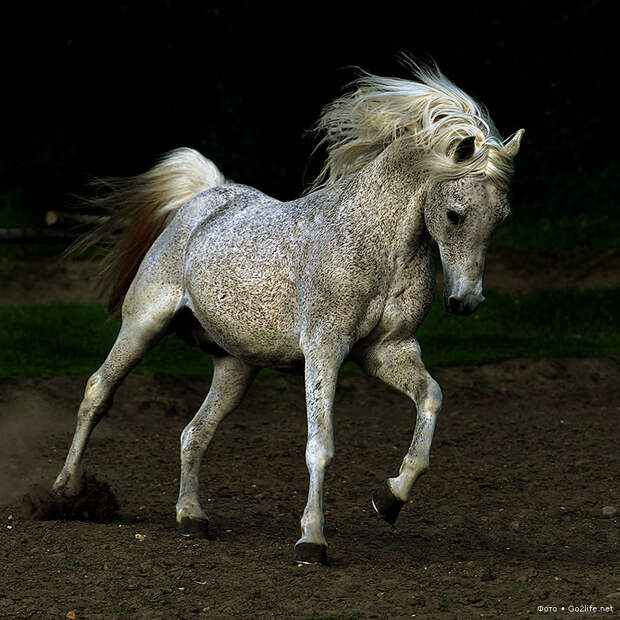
{"x":95,"y":502}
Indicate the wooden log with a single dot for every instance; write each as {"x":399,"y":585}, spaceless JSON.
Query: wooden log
{"x":64,"y":217}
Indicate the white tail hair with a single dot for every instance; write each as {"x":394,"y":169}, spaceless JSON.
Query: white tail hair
{"x":140,"y":207}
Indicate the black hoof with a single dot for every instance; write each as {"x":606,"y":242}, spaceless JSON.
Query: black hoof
{"x":196,"y":528}
{"x":310,"y":553}
{"x":386,"y":504}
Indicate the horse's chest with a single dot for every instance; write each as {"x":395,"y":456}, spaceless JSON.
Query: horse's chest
{"x":411,"y":296}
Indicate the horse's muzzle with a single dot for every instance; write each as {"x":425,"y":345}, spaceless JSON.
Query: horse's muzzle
{"x":463,"y":305}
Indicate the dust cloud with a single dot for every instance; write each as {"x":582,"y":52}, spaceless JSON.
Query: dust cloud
{"x":28,"y":456}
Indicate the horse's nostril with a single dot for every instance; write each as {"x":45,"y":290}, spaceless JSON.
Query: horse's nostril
{"x":464,"y":306}
{"x":455,"y":305}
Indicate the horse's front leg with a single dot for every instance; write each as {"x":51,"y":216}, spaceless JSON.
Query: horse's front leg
{"x":321,"y":377}
{"x":399,"y":364}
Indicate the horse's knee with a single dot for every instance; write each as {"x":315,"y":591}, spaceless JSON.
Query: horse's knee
{"x":194,"y":439}
{"x":433,"y":397}
{"x":319,"y":452}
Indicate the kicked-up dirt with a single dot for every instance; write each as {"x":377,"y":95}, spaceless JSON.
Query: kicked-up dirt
{"x":516,"y":517}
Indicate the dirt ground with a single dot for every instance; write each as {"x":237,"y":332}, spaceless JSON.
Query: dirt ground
{"x":50,"y":280}
{"x":516,"y":512}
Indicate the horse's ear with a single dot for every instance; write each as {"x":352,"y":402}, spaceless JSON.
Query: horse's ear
{"x":465,"y":149}
{"x":512,"y":146}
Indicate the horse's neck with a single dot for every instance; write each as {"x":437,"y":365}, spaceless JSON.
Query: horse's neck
{"x":388,"y":197}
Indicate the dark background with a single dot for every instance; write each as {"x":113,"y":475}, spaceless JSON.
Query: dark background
{"x":104,"y":88}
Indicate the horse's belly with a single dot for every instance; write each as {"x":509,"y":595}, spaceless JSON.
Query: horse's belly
{"x":251,"y":315}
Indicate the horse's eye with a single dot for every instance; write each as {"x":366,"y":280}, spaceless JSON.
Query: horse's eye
{"x":454,"y":217}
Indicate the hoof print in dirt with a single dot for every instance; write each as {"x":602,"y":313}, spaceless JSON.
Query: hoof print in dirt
{"x":311,"y":553}
{"x":386,"y":504}
{"x":95,"y":502}
{"x":194,"y":528}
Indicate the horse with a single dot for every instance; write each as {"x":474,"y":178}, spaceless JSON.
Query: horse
{"x":345,"y":272}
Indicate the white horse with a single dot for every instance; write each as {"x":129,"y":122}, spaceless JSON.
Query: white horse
{"x":344,"y":272}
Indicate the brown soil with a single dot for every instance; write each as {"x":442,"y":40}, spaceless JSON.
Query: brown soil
{"x":506,"y":274}
{"x":515,"y":512}
{"x":52,"y":280}
{"x":46,"y":281}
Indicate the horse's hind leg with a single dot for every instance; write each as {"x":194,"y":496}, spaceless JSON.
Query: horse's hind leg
{"x":231,"y":379}
{"x":140,"y":331}
{"x":400,"y":365}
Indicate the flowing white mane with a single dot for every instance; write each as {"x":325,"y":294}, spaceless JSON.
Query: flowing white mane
{"x":428,"y":114}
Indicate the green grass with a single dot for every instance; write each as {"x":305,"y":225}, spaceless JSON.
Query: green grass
{"x":76,"y":338}
{"x":62,"y":338}
{"x":547,"y":324}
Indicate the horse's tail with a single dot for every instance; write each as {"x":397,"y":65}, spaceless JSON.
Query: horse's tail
{"x":140,"y":207}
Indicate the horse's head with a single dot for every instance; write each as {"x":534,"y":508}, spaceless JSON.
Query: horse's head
{"x":461,"y":215}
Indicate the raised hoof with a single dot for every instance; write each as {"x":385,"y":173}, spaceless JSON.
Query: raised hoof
{"x":386,"y":504}
{"x":196,"y":528}
{"x":310,"y":553}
